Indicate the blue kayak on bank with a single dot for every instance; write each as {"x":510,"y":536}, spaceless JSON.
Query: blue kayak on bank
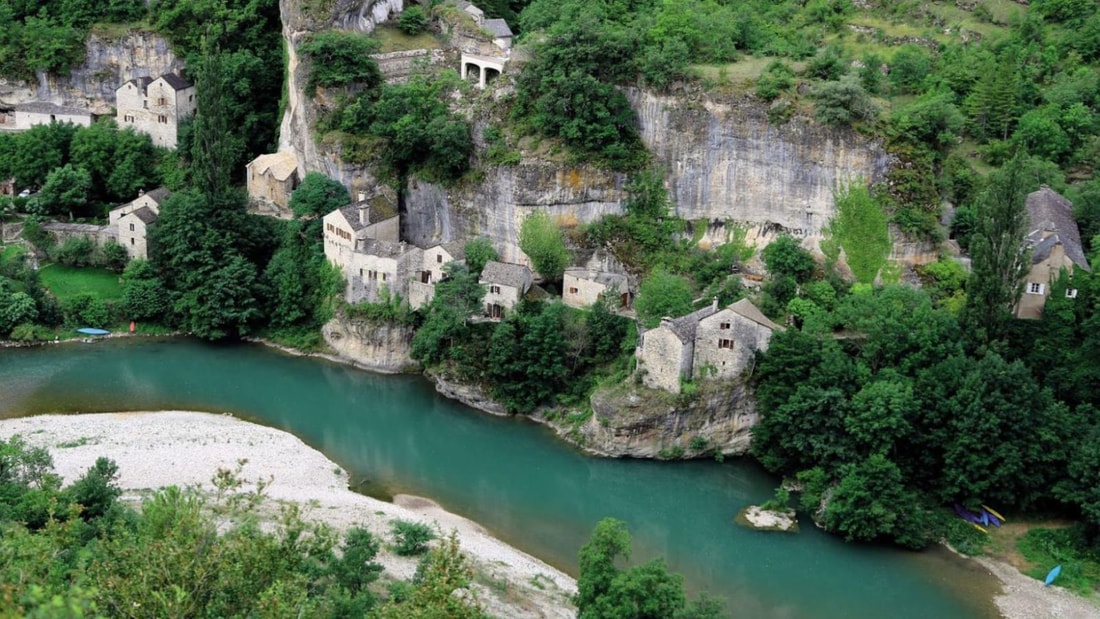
{"x":1053,"y":574}
{"x":91,"y":331}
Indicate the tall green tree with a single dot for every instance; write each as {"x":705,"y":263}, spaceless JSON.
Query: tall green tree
{"x":999,"y":258}
{"x":541,"y":239}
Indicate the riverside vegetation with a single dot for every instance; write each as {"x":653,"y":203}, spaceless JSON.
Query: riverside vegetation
{"x":888,"y":402}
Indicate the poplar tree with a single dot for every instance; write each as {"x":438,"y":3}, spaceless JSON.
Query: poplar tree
{"x":999,"y":258}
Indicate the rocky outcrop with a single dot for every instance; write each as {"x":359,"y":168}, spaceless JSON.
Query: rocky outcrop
{"x":470,"y":395}
{"x":760,"y":519}
{"x":379,"y":347}
{"x":108,"y":63}
{"x":630,"y":420}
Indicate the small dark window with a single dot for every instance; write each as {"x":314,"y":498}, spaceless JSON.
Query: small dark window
{"x":439,"y":258}
{"x":573,"y":290}
{"x":131,"y":227}
{"x":494,"y":289}
{"x":725,"y":344}
{"x":724,"y":325}
{"x":131,"y":240}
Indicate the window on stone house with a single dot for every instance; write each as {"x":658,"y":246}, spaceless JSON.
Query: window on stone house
{"x":131,"y":227}
{"x":1071,"y":293}
{"x":425,"y":277}
{"x":162,"y":101}
{"x":145,"y":103}
{"x":131,"y":240}
{"x":573,"y":290}
{"x":439,"y":258}
{"x":725,"y":344}
{"x":385,"y":276}
{"x":162,"y":119}
{"x":494,"y":289}
{"x":1034,"y":288}
{"x":724,"y":325}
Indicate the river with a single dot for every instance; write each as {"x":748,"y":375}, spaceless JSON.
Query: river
{"x":394,"y":434}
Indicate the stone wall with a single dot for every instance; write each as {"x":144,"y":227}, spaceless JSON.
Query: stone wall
{"x":745,"y":338}
{"x":397,"y":67}
{"x":100,"y":235}
{"x":663,"y":359}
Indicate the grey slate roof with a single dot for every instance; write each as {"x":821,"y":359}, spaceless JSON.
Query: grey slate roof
{"x":457,"y":249}
{"x":141,"y":82}
{"x":745,"y":308}
{"x":159,"y":194}
{"x":145,"y":214}
{"x":684,"y":327}
{"x":498,"y":27}
{"x":45,"y":107}
{"x":1051,"y":214}
{"x":600,"y":277}
{"x":176,"y":81}
{"x":377,"y":210}
{"x":506,"y":274}
{"x":383,"y":249}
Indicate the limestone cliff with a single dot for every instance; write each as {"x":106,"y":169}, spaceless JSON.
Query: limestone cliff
{"x":377,"y":347}
{"x":633,"y":421}
{"x":108,"y":63}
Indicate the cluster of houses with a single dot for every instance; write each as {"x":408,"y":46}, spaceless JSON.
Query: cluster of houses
{"x":152,"y":106}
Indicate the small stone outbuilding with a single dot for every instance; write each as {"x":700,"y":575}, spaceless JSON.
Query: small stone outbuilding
{"x":505,"y":284}
{"x":27,"y":115}
{"x":583,"y":287}
{"x":380,"y":268}
{"x":347,"y":228}
{"x":133,"y":221}
{"x":1055,"y":244}
{"x":271,"y":179}
{"x":666,"y":353}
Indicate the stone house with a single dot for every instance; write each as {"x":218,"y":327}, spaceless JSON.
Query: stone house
{"x":583,"y":287}
{"x":727,"y":340}
{"x":707,"y":343}
{"x":666,"y":353}
{"x":1055,"y":244}
{"x":422,"y":285}
{"x":272,"y":178}
{"x":379,"y":266}
{"x":475,"y":13}
{"x":505,"y":284}
{"x":155,"y":106}
{"x":132,"y":221}
{"x":347,"y":228}
{"x":27,"y":115}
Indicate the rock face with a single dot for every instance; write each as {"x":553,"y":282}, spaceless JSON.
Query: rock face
{"x":724,"y":160}
{"x":378,"y":347}
{"x":470,"y":395}
{"x":497,"y":206}
{"x":108,"y":63}
{"x":756,"y":517}
{"x":647,"y":423}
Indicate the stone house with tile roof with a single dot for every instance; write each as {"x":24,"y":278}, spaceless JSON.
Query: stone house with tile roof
{"x":155,"y":106}
{"x":131,"y":222}
{"x":707,"y":343}
{"x":271,"y":178}
{"x":27,"y":115}
{"x":379,"y":268}
{"x":348,"y":227}
{"x":1055,"y":244}
{"x":582,"y":288}
{"x":502,"y":34}
{"x":505,"y":284}
{"x":435,"y":258}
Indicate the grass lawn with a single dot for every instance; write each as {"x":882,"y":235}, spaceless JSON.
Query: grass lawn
{"x":67,"y":282}
{"x":11,"y":252}
{"x":393,"y":40}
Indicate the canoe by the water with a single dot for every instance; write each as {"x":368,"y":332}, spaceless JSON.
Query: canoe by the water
{"x":994,"y":513}
{"x":91,"y":331}
{"x":1053,"y":574}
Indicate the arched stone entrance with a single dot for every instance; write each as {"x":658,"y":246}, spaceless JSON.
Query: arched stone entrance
{"x":485,"y":68}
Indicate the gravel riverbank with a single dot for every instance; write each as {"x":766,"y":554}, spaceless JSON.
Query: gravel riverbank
{"x":154,"y":450}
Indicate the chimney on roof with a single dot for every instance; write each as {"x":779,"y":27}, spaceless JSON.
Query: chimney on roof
{"x":714,"y":303}
{"x":141,"y":192}
{"x":364,"y":213}
{"x":361,"y":196}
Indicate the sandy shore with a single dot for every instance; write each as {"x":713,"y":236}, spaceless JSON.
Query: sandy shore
{"x":1026,"y":598}
{"x":154,"y":450}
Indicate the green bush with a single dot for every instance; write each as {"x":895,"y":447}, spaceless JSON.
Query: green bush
{"x":411,"y":538}
{"x":413,"y":21}
{"x":76,"y":252}
{"x":114,"y":257}
{"x":341,"y":58}
{"x":843,"y":102}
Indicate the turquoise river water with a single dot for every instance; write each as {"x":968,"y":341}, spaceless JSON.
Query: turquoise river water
{"x":395,"y":435}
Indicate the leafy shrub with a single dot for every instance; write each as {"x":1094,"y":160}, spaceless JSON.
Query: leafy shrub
{"x":114,"y":257}
{"x":843,"y":102}
{"x":411,"y":538}
{"x":777,"y":79}
{"x":413,"y":21}
{"x":76,"y":251}
{"x":341,"y":58}
{"x":87,"y":311}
